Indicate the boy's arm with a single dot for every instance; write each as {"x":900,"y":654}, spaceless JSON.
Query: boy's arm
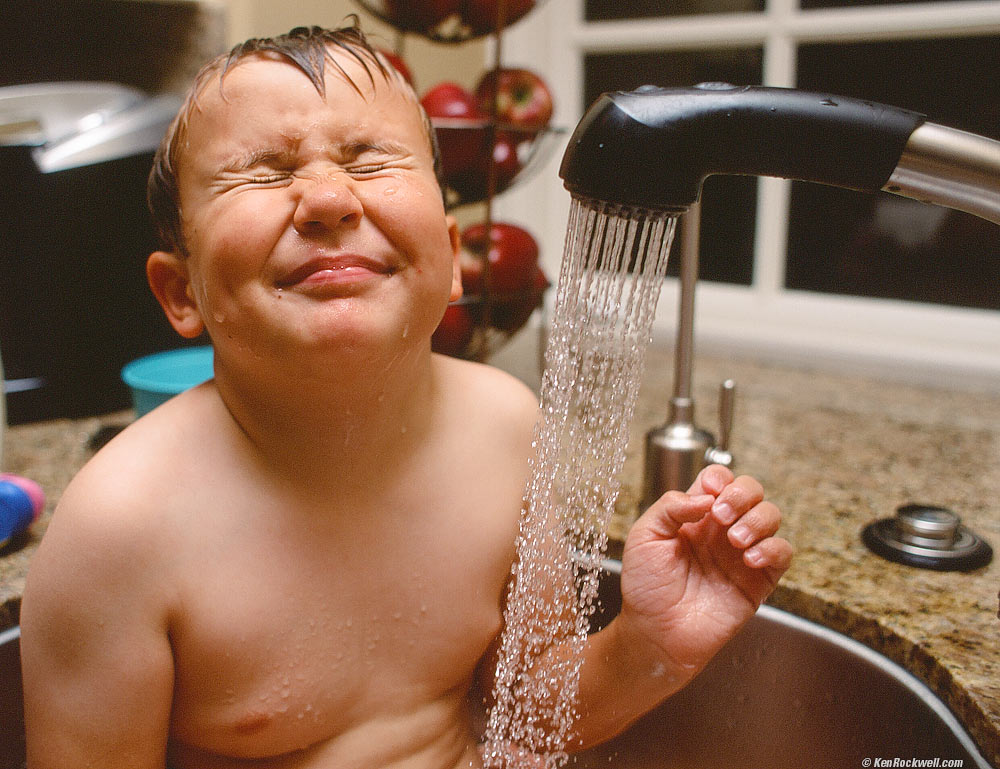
{"x":97,"y":663}
{"x":690,"y":580}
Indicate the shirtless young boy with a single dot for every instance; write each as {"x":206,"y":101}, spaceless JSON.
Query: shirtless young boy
{"x":302,"y":563}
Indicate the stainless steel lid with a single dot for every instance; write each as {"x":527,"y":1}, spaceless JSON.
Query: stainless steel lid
{"x":72,"y":124}
{"x":929,"y":537}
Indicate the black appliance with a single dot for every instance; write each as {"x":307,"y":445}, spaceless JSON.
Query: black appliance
{"x":74,"y":237}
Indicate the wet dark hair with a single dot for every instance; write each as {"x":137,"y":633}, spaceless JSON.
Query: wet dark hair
{"x":308,"y":48}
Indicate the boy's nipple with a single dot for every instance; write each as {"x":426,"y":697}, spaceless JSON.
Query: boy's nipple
{"x":253,"y":722}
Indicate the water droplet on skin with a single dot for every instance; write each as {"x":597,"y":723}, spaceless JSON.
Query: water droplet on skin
{"x":389,"y":191}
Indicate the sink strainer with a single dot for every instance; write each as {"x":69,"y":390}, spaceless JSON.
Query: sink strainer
{"x":927,"y":537}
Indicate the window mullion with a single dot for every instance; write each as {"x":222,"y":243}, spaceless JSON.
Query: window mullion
{"x":773,"y":198}
{"x":896,"y":21}
{"x":675,"y":33}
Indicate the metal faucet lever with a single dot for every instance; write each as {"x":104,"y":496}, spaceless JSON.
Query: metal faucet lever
{"x":678,"y":450}
{"x":720,"y":453}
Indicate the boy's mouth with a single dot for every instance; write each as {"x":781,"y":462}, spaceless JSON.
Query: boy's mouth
{"x":343,"y":269}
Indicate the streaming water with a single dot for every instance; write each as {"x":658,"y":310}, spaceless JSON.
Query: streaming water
{"x":613,"y":266}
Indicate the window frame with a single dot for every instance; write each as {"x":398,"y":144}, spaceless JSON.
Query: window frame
{"x":916,"y":342}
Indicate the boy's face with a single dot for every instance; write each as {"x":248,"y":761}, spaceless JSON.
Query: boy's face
{"x":310,"y":220}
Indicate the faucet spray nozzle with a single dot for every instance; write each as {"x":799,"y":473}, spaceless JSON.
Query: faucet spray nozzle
{"x":653,"y":147}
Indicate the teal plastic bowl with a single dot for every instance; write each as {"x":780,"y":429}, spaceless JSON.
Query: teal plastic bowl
{"x":156,"y":378}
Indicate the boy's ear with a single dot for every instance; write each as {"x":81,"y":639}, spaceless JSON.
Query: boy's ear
{"x":456,"y":265}
{"x":171,"y":284}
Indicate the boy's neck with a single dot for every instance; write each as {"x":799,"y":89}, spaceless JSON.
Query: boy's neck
{"x":354,"y":418}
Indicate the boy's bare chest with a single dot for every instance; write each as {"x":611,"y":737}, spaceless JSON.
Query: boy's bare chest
{"x":290,"y":636}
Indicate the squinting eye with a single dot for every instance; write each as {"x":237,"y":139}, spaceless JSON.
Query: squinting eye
{"x":269,"y":178}
{"x":368,"y":169}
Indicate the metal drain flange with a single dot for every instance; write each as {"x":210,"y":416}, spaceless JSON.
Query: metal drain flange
{"x":927,"y":537}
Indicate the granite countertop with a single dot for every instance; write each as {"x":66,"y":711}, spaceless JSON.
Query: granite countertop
{"x":835,"y":452}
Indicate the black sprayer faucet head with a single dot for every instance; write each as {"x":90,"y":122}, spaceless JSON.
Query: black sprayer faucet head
{"x":653,"y":147}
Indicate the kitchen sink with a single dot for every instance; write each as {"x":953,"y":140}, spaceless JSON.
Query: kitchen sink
{"x":787,"y":693}
{"x":11,"y":702}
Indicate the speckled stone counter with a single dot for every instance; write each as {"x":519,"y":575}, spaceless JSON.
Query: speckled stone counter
{"x":835,"y":453}
{"x":49,"y":453}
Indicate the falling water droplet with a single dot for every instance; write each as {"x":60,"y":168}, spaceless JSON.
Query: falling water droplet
{"x":612,"y":272}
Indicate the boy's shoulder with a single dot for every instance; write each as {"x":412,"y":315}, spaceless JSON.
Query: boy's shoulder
{"x":488,"y":389}
{"x":126,"y":484}
{"x":482,"y":375}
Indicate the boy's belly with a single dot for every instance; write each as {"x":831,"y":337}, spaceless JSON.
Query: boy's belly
{"x":435,"y":735}
{"x":389,"y":688}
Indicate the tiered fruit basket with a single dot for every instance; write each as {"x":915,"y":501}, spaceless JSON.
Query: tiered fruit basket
{"x":489,"y":141}
{"x":449,"y":21}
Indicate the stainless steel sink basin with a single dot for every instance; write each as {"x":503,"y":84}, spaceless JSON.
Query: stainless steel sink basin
{"x":787,"y":693}
{"x":11,"y":702}
{"x":784,"y":694}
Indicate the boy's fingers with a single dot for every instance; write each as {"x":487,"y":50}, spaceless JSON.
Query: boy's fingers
{"x":736,"y":499}
{"x":772,"y":553}
{"x":675,"y":508}
{"x":712,"y":480}
{"x":760,"y":522}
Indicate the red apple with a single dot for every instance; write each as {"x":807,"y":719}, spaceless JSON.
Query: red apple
{"x":512,"y":256}
{"x":481,"y":15}
{"x":512,"y":314}
{"x":470,"y":177}
{"x":455,"y":331}
{"x":397,"y":61}
{"x":463,"y":148}
{"x":419,"y":15}
{"x":472,"y":267}
{"x":522,"y":97}
{"x":450,"y":100}
{"x":505,"y":159}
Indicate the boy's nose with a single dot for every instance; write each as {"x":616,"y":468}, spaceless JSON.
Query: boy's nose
{"x":326,"y":203}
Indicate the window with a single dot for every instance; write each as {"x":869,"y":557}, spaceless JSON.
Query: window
{"x":728,"y":203}
{"x":794,"y":269}
{"x":885,"y":246}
